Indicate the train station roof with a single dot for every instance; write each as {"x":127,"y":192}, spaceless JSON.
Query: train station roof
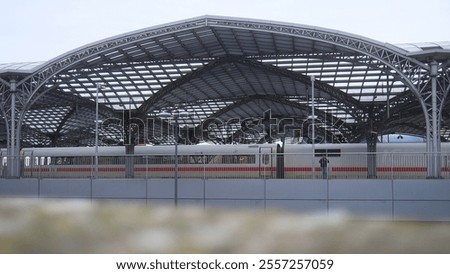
{"x":240,"y":80}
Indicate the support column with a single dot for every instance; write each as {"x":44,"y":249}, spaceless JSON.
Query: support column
{"x":434,"y":142}
{"x":13,"y":159}
{"x":129,"y":161}
{"x":372,"y":138}
{"x":372,"y":156}
{"x":129,"y":142}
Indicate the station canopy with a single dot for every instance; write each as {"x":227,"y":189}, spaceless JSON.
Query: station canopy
{"x":223,"y":80}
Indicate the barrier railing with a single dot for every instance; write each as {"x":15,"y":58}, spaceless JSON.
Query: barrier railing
{"x":235,"y":166}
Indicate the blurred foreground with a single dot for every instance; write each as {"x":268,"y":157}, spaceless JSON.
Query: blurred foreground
{"x":75,"y":226}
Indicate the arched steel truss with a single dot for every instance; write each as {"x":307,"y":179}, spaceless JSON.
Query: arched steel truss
{"x":214,"y":66}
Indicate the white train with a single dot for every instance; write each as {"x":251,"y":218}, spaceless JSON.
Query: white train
{"x":239,"y":161}
{"x":404,"y":160}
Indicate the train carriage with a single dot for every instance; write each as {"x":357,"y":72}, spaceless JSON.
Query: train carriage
{"x":70,"y":162}
{"x":234,"y":161}
{"x":344,"y":161}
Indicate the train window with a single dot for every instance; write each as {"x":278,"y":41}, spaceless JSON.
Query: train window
{"x":140,"y":160}
{"x":238,"y":159}
{"x":66,"y":161}
{"x":182,"y":159}
{"x":196,"y":159}
{"x":4,"y":161}
{"x":157,"y":159}
{"x":85,"y":160}
{"x":27,"y":161}
{"x":332,"y":152}
{"x":150,"y":159}
{"x":247,"y":159}
{"x":200,"y":159}
{"x":63,"y":160}
{"x":208,"y":158}
{"x":105,"y":160}
{"x":119,"y":160}
{"x":229,"y":159}
{"x":43,"y":160}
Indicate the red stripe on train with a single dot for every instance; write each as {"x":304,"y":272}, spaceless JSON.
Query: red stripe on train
{"x":88,"y":169}
{"x":349,"y":169}
{"x":300,"y":169}
{"x":402,"y":169}
{"x":200,"y":169}
{"x":360,"y":169}
{"x":333,"y":169}
{"x":153,"y":169}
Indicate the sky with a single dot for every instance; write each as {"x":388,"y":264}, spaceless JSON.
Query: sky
{"x":40,"y":30}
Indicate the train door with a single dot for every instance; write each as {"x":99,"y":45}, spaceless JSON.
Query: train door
{"x":266,"y":162}
{"x":28,"y":163}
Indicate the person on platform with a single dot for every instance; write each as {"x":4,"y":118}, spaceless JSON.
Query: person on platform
{"x":324,"y":166}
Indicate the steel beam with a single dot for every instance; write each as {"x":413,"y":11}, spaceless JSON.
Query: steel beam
{"x":13,"y":160}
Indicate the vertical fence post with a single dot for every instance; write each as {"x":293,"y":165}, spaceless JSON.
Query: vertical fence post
{"x":39,"y":168}
{"x":92,"y":167}
{"x":392,"y":166}
{"x":204,"y":159}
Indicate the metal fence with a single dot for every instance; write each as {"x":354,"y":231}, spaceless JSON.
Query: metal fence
{"x":233,"y":166}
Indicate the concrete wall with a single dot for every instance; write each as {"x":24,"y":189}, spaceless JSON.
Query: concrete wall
{"x":379,"y":199}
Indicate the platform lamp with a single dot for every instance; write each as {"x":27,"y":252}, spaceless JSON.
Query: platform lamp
{"x":175,"y":117}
